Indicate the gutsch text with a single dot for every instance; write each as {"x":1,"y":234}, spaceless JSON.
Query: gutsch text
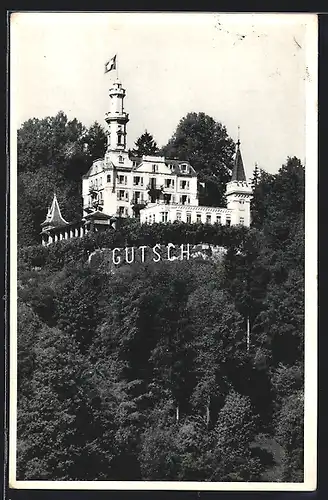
{"x":117,"y":257}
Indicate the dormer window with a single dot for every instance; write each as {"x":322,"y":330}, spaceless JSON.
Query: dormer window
{"x":184,"y":168}
{"x":121,"y":159}
{"x":155,"y":168}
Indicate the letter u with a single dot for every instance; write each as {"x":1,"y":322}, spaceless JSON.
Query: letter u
{"x":127,"y":255}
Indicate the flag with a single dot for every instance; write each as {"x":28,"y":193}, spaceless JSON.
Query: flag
{"x":111,"y":64}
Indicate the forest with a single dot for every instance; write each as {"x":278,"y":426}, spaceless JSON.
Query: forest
{"x":146,"y":373}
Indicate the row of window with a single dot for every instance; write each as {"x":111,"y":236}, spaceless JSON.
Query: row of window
{"x":139,"y":181}
{"x":208,"y":218}
{"x":123,"y":194}
{"x":164,"y":218}
{"x":183,"y":168}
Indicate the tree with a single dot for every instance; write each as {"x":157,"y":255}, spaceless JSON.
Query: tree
{"x":256,"y":176}
{"x":95,"y":141}
{"x":48,"y":142}
{"x":145,"y":145}
{"x":289,"y":427}
{"x":52,"y":157}
{"x":35,"y":194}
{"x":65,"y":429}
{"x":205,"y":143}
{"x":279,"y":198}
{"x":232,"y":458}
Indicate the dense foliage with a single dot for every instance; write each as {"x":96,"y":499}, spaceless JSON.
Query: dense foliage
{"x":53,"y":154}
{"x":144,"y":374}
{"x":145,"y":145}
{"x":205,"y":143}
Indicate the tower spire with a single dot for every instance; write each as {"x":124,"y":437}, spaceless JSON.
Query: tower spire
{"x":54,"y":217}
{"x":238,"y":171}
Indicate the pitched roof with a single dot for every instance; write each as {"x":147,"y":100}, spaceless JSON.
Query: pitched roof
{"x":97,"y":214}
{"x":238,"y":171}
{"x":54,"y":217}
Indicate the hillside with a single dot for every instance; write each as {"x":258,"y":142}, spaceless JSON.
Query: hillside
{"x":146,"y":373}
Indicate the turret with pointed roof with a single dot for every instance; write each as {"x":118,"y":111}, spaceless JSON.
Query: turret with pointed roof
{"x":238,"y":171}
{"x":239,"y":192}
{"x":54,"y":217}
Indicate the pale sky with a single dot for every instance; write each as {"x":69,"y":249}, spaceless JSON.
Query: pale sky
{"x":243,"y":70}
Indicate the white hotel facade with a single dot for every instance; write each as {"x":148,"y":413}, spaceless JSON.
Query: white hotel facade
{"x":154,"y":188}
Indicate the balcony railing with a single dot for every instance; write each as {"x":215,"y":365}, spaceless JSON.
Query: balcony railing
{"x":138,"y":201}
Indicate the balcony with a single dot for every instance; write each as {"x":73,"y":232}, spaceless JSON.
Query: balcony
{"x":154,"y":192}
{"x":93,"y":191}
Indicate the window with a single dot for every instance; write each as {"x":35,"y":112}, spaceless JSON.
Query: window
{"x":155,"y":168}
{"x":120,"y":211}
{"x":218,"y":219}
{"x":178,"y":215}
{"x":136,"y":197}
{"x":228,"y":221}
{"x":138,"y":181}
{"x":169,"y":183}
{"x":154,"y":218}
{"x":101,"y":198}
{"x":188,"y":217}
{"x":100,"y":181}
{"x":120,"y":194}
{"x":121,"y":159}
{"x":122,"y":179}
{"x":96,"y":184}
{"x":183,"y":199}
{"x":164,"y":216}
{"x":199,"y":218}
{"x":208,"y":218}
{"x":184,"y":184}
{"x":242,"y":221}
{"x":108,"y":178}
{"x":184,"y":167}
{"x":153,"y":183}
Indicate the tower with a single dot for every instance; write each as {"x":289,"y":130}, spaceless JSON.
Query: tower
{"x":239,"y":192}
{"x":116,"y":120}
{"x":53,"y":223}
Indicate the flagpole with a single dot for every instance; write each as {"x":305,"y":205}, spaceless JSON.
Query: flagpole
{"x":116,"y":60}
{"x":248,"y":335}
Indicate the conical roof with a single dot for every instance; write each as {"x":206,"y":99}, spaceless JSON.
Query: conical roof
{"x":54,"y":217}
{"x":238,"y":171}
